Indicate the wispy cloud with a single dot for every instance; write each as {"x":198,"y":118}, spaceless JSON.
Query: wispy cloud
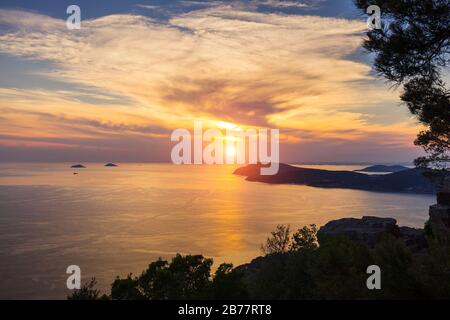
{"x":218,"y":63}
{"x":147,"y":6}
{"x":282,"y":3}
{"x":202,"y":3}
{"x":254,"y":3}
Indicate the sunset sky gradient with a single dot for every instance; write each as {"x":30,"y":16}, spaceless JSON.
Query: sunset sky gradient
{"x":117,"y":88}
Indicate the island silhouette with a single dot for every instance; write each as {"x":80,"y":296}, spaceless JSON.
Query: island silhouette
{"x":78,"y":166}
{"x":383,"y":168}
{"x":408,"y":181}
{"x":111,"y":165}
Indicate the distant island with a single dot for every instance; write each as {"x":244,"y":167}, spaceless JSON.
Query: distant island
{"x":383,"y":168}
{"x":78,"y":166}
{"x":408,"y":181}
{"x":111,"y":165}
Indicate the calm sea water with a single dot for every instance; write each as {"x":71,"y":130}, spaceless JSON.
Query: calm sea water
{"x":113,"y":221}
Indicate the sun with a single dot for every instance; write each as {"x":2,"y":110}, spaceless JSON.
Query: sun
{"x":231,"y":151}
{"x":227,"y":125}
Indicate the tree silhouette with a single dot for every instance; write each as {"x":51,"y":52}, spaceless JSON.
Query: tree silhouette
{"x":413,"y":49}
{"x":304,"y":238}
{"x":278,"y":242}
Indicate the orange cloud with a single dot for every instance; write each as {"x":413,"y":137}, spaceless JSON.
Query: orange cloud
{"x":221,"y":63}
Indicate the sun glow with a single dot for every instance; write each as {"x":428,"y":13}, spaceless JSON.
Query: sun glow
{"x":231,"y":150}
{"x":228,"y":125}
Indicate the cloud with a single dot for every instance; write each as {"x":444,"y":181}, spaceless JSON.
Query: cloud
{"x":146,"y":6}
{"x":219,"y":63}
{"x":252,"y":4}
{"x":282,"y":4}
{"x":202,"y":3}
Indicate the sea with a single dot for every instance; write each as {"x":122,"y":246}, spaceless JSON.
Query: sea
{"x":113,"y":221}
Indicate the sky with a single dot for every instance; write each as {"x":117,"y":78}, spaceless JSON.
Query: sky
{"x":137,"y":70}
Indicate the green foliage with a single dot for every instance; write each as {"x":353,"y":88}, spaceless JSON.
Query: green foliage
{"x":299,"y":279}
{"x":185,"y":277}
{"x":434,"y":273}
{"x":228,"y":283}
{"x":126,"y":289}
{"x":304,"y":238}
{"x":265,"y":277}
{"x":428,"y":99}
{"x":399,"y":269}
{"x":339,"y":269}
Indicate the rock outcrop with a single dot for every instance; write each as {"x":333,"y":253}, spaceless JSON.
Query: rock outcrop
{"x":370,"y":230}
{"x":440,"y":214}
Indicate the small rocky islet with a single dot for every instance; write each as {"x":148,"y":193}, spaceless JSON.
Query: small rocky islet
{"x":110,"y":164}
{"x":78,"y":166}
